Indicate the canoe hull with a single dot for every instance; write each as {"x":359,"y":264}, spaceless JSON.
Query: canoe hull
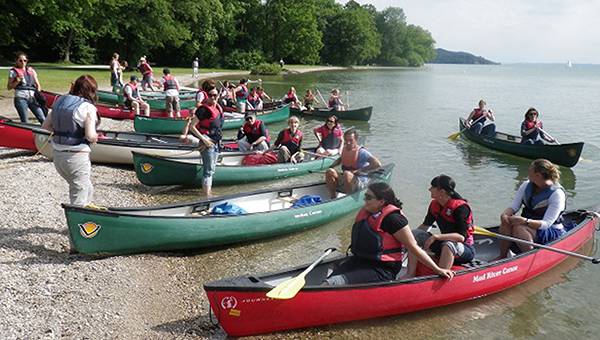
{"x":561,"y":154}
{"x":363,"y":114}
{"x":117,"y":232}
{"x":157,"y":104}
{"x":14,"y":136}
{"x":175,"y":126}
{"x":157,"y":171}
{"x":244,"y":311}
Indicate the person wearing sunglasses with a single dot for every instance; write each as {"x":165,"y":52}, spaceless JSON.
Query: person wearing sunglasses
{"x":207,"y":126}
{"x":253,"y":135}
{"x":380,"y":238}
{"x":23,"y":79}
{"x":454,"y":218}
{"x":356,"y":162}
{"x":171,"y":88}
{"x":532,"y":129}
{"x":330,"y":138}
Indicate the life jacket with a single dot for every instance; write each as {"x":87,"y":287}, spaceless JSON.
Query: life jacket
{"x":26,"y":74}
{"x":334,"y":103}
{"x":243,"y":93}
{"x":170,"y":83}
{"x":253,"y":99}
{"x":350,"y":159}
{"x":535,"y":205}
{"x":478,"y":113}
{"x":204,"y":94}
{"x":252,"y":131}
{"x":444,"y":217}
{"x":66,"y":130}
{"x":290,"y":97}
{"x":134,"y":91}
{"x":330,"y":139}
{"x":528,"y":125}
{"x":370,"y":241}
{"x":145,"y":68}
{"x":291,"y":142}
{"x":213,"y":125}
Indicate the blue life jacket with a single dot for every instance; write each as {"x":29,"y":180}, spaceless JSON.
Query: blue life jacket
{"x":535,"y":206}
{"x":66,"y":130}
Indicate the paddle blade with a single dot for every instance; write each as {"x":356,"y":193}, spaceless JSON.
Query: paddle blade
{"x":287,"y":289}
{"x":482,"y":231}
{"x":455,"y":135}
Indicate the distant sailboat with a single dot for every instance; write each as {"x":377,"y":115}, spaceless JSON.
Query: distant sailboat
{"x":569,"y":64}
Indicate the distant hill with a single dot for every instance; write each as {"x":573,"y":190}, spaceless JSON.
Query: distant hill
{"x":451,"y":57}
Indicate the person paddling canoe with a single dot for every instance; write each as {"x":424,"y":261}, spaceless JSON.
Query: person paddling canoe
{"x":532,"y":129}
{"x":481,"y":120}
{"x":335,"y":101}
{"x":380,"y":237}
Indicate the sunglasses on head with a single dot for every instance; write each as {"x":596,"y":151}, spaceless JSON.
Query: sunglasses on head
{"x":369,"y":197}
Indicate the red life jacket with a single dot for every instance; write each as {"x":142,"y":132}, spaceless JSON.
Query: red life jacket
{"x":444,"y":216}
{"x":253,"y":130}
{"x":330,"y":139}
{"x":134,"y":91}
{"x":243,"y":93}
{"x":370,"y":241}
{"x":205,"y":95}
{"x":291,"y":96}
{"x":350,"y":159}
{"x":530,"y":125}
{"x":26,"y":74}
{"x":145,"y":68}
{"x":291,"y":142}
{"x":170,"y":83}
{"x":253,"y":98}
{"x":477,"y":113}
{"x":206,"y":126}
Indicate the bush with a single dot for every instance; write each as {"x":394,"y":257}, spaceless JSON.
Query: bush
{"x":243,"y":60}
{"x":266,"y":69}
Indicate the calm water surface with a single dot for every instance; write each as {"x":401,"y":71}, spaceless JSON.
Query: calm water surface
{"x":414,"y":112}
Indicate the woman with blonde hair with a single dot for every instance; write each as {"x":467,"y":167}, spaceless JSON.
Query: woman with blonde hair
{"x":543,"y":200}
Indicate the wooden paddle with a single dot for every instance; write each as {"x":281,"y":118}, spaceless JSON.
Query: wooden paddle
{"x":455,"y":135}
{"x":482,"y":231}
{"x":289,"y":288}
{"x":547,"y":134}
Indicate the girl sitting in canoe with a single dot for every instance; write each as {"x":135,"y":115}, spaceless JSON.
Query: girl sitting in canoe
{"x":289,"y":142}
{"x":330,"y":138}
{"x":380,"y":236}
{"x":253,"y":135}
{"x":291,"y":98}
{"x":543,"y":200}
{"x":532,"y":129}
{"x":254,"y":101}
{"x":335,"y":101}
{"x":481,"y":120}
{"x":452,"y":214}
{"x":309,"y":101}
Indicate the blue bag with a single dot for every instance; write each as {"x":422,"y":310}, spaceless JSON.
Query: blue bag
{"x":306,"y":201}
{"x":227,"y":209}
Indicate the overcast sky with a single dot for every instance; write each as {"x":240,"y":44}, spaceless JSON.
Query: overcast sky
{"x":507,"y":31}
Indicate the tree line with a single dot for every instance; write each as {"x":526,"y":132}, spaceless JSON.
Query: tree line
{"x":221,"y":33}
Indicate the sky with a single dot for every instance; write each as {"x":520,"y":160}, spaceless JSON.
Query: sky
{"x":509,"y":31}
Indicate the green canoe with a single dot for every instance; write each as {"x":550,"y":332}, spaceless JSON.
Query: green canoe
{"x":169,"y":126}
{"x":363,"y":114}
{"x":561,"y":154}
{"x":153,"y":170}
{"x":192,"y":225}
{"x":155,"y":103}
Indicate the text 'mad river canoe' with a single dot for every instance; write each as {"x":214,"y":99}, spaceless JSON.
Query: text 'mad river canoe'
{"x":170,"y":126}
{"x":363,"y":114}
{"x":191,"y":225}
{"x":242,"y":308}
{"x":561,"y":154}
{"x":153,"y":170}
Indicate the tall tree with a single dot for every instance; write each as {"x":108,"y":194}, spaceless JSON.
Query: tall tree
{"x":391,"y":25}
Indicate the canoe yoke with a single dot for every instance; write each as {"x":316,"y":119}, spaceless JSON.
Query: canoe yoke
{"x":201,"y":209}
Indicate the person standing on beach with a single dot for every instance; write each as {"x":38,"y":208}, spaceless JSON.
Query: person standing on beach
{"x":73,"y":122}
{"x":195,"y":66}
{"x":115,"y":73}
{"x":23,"y":79}
{"x":171,"y":88}
{"x":146,"y":72}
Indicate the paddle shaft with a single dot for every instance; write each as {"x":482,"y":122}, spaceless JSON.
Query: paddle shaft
{"x":537,"y":245}
{"x":547,"y":134}
{"x":318,"y":155}
{"x":456,"y":134}
{"x":323,"y":99}
{"x":317,"y":261}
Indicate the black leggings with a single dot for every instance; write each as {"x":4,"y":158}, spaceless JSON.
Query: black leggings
{"x":358,"y":270}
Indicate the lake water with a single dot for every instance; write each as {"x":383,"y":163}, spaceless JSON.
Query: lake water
{"x":413,"y":113}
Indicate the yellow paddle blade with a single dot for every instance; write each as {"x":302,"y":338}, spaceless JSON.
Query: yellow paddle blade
{"x":455,"y":135}
{"x":481,"y":231}
{"x":287,"y":289}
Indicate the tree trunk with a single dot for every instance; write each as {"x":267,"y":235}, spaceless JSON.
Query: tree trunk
{"x":67,"y":48}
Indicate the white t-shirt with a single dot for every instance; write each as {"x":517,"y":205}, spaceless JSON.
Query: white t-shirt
{"x":81,"y":113}
{"x":556,"y":204}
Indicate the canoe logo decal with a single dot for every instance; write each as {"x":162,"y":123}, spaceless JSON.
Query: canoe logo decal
{"x":228,"y":302}
{"x":572,"y":152}
{"x":88,"y":229}
{"x":147,"y":167}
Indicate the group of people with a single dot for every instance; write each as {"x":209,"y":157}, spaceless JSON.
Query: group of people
{"x":310,"y":101}
{"x":482,"y":121}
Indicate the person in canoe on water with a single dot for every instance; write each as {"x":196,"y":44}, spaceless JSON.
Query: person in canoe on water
{"x":254,"y":101}
{"x":330,"y":138}
{"x":309,"y":100}
{"x":289,"y":142}
{"x":532,"y":129}
{"x":262,"y":94}
{"x":132,"y":97}
{"x":356,"y":161}
{"x":335,"y":101}
{"x":73,"y":122}
{"x":171,"y":88}
{"x":23,"y":79}
{"x":543,"y":201}
{"x":146,"y":71}
{"x":481,"y":120}
{"x":453,"y":215}
{"x":291,"y":98}
{"x":207,"y":126}
{"x":241,"y":95}
{"x":253,"y":135}
{"x":380,"y":238}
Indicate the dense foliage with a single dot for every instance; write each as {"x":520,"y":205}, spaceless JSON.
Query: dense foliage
{"x":227,"y":33}
{"x":266,"y":69}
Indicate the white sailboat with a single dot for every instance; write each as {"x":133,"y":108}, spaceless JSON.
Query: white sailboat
{"x":569,"y":64}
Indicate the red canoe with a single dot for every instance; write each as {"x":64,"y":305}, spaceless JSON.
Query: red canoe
{"x":242,"y":307}
{"x":16,"y":135}
{"x":113,"y":112}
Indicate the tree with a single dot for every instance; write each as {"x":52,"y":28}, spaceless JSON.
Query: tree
{"x":391,"y":25}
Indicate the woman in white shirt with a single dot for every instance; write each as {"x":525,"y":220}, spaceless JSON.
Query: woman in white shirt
{"x":543,"y":200}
